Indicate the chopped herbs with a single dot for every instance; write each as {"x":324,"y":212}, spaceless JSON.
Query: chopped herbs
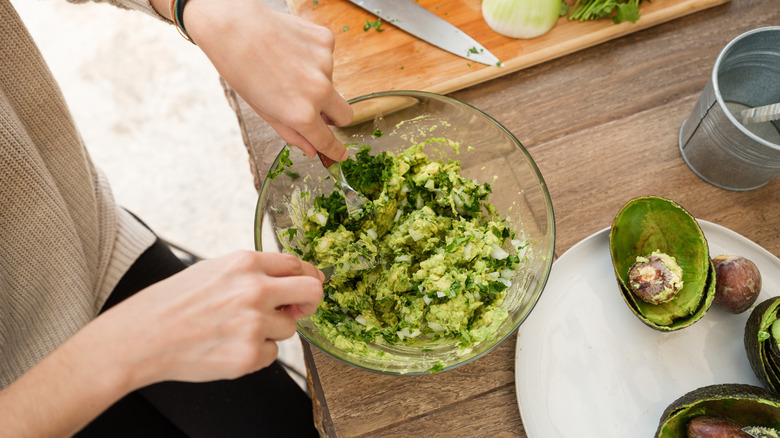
{"x":284,"y":163}
{"x":373,"y":25}
{"x":618,"y":10}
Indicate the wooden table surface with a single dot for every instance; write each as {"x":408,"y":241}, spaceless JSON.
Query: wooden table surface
{"x":602,"y":125}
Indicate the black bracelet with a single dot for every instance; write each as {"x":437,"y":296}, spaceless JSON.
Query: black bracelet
{"x":177,"y":14}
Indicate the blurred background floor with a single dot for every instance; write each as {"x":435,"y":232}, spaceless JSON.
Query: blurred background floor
{"x":154,"y":117}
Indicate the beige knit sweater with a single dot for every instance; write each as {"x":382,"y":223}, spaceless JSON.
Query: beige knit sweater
{"x":64,"y":244}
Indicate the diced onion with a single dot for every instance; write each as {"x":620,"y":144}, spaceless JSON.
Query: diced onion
{"x":405,"y":333}
{"x":361,"y":319}
{"x":398,"y":215}
{"x":416,"y":235}
{"x":371,"y":233}
{"x":320,"y":218}
{"x":435,"y":326}
{"x":467,"y":250}
{"x":440,"y":294}
{"x":427,"y":299}
{"x":498,"y":253}
{"x":403,"y":258}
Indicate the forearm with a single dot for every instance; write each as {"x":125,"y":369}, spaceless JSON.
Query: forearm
{"x":281,"y":66}
{"x":69,"y":388}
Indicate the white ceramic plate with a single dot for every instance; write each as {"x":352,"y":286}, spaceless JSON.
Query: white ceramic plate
{"x":585,"y":366}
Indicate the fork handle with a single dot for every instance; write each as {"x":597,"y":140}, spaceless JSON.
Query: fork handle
{"x":327,"y":162}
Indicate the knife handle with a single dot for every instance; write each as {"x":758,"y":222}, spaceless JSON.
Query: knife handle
{"x":327,"y":162}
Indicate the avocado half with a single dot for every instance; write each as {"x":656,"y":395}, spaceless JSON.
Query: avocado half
{"x":747,"y":405}
{"x":651,"y":223}
{"x":762,"y":335}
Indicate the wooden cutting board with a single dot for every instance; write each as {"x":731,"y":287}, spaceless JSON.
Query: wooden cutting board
{"x":371,"y":61}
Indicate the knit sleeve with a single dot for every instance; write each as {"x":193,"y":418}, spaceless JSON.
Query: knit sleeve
{"x":139,"y":5}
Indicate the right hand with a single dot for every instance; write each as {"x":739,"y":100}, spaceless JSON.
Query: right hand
{"x":218,"y":319}
{"x":280,"y":64}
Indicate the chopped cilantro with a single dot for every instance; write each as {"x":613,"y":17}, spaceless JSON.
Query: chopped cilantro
{"x":373,"y":24}
{"x":618,"y":10}
{"x":628,"y":11}
{"x":436,"y":368}
{"x":284,"y":162}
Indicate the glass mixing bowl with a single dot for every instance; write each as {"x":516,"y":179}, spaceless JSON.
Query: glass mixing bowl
{"x":488,"y":154}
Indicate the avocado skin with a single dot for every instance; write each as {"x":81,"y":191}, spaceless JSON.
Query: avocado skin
{"x":748,"y":405}
{"x":763,"y":366}
{"x":631,"y":236}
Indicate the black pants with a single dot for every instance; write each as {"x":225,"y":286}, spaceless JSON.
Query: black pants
{"x":267,"y":403}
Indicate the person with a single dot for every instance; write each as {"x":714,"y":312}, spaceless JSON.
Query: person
{"x":103,"y":331}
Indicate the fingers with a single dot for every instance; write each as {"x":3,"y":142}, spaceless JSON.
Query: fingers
{"x":314,"y":135}
{"x":284,"y":265}
{"x":284,"y":282}
{"x":279,"y":326}
{"x":338,"y":111}
{"x":299,"y":296}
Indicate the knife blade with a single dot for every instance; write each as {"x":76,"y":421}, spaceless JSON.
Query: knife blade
{"x":429,"y":27}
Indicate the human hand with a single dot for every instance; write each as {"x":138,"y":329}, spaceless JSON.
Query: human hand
{"x":218,"y":319}
{"x":281,"y":65}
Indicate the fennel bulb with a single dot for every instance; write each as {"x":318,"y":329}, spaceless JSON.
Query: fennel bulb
{"x":521,"y":18}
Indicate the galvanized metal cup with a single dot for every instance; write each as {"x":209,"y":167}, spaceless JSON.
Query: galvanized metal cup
{"x":713,"y":141}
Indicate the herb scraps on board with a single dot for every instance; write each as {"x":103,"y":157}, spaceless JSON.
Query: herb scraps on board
{"x":373,"y":25}
{"x":618,"y":10}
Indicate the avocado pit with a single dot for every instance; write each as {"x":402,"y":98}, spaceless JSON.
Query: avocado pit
{"x":655,"y":279}
{"x":715,"y":427}
{"x":738,"y":283}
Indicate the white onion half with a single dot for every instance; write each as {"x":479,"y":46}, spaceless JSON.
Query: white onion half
{"x":521,"y":18}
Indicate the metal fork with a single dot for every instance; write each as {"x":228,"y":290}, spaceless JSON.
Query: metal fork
{"x":355,"y":200}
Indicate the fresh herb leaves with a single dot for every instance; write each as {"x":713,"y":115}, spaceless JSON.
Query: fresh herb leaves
{"x":618,"y":10}
{"x":373,"y":25}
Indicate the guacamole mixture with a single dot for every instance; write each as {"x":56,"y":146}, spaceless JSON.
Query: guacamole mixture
{"x":444,"y":258}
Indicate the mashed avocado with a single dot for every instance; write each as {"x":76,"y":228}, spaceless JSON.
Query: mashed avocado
{"x":445,"y":259}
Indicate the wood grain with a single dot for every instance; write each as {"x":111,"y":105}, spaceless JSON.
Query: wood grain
{"x":370,"y":61}
{"x":602,"y":125}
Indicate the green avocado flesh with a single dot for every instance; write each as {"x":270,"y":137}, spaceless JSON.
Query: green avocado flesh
{"x":650,"y":224}
{"x":761,"y":342}
{"x":747,"y":405}
{"x":446,"y":258}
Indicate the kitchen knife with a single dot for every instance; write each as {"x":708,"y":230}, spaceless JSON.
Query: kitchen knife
{"x":420,"y":22}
